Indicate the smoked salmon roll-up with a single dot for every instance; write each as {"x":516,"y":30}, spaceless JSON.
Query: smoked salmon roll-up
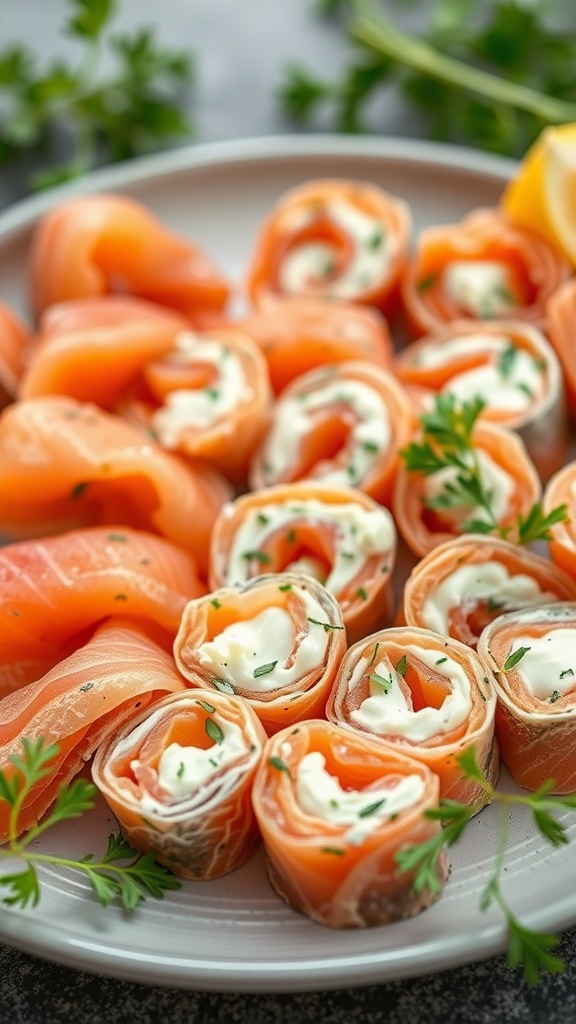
{"x":14,"y":341}
{"x":93,"y":349}
{"x":277,"y":641}
{"x":332,"y":238}
{"x":561,"y":318}
{"x":96,"y":244}
{"x":338,"y":535}
{"x":75,"y":705}
{"x":56,"y":588}
{"x":510,"y":365}
{"x":341,"y":425}
{"x":561,"y":491}
{"x":482,"y":268}
{"x":335,"y":809}
{"x":208,"y":399}
{"x":66,"y":464}
{"x":461,"y":586}
{"x":531,"y":656}
{"x":425,"y":694}
{"x":296,"y":335}
{"x":179,"y":779}
{"x":429,"y":511}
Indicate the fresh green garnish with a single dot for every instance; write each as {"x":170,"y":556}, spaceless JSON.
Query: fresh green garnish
{"x":402,"y":665}
{"x":214,"y":731}
{"x":133,"y":111}
{"x":326,"y":626}
{"x":120,"y":873}
{"x":528,"y":949}
{"x":263,"y":670}
{"x":514,"y":657}
{"x":492,"y":76}
{"x":278,"y":763}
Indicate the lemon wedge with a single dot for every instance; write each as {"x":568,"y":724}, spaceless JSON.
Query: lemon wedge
{"x":542,"y":195}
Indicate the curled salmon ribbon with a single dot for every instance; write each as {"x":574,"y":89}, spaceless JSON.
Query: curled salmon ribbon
{"x":86,"y":576}
{"x":505,"y":471}
{"x":84,"y":466}
{"x":561,"y":316}
{"x":561,"y":490}
{"x":298,"y":334}
{"x":342,"y":425}
{"x":425,"y":694}
{"x":481,"y":268}
{"x":338,"y":535}
{"x":76,"y":704}
{"x":15,"y":338}
{"x":510,"y":365}
{"x":96,"y":244}
{"x":531,"y":656}
{"x":93,"y":349}
{"x":461,"y":586}
{"x":179,"y":779}
{"x":277,"y":641}
{"x":334,"y":809}
{"x":332,"y":238}
{"x":208,"y":398}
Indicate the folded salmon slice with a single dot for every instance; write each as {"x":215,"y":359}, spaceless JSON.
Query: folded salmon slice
{"x":338,"y":535}
{"x":560,"y":490}
{"x":55,"y":588}
{"x":79,"y":702}
{"x":207,"y":398}
{"x":342,"y":424}
{"x":298,"y":334}
{"x":531,"y":655}
{"x":504,"y":468}
{"x":15,"y":338}
{"x":426,"y":695}
{"x":561,"y":315}
{"x":332,"y":238}
{"x":65,"y":464}
{"x":277,"y":641}
{"x":510,"y":365}
{"x":481,"y":268}
{"x":96,"y":244}
{"x":334,"y":810}
{"x":179,"y":779}
{"x":93,"y":348}
{"x":461,"y":586}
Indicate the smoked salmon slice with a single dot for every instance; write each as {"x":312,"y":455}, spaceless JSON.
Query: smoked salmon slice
{"x":179,"y":779}
{"x":426,"y":695}
{"x":481,"y":268}
{"x":334,"y":809}
{"x":504,"y":469}
{"x":531,"y":656}
{"x":338,"y":535}
{"x":342,"y":424}
{"x":96,"y":244}
{"x":93,"y":349}
{"x":510,"y":365}
{"x":55,"y":588}
{"x":77,"y":703}
{"x":561,"y":316}
{"x":65,"y":464}
{"x":15,"y":338}
{"x":332,"y":238}
{"x":277,"y":641}
{"x":207,"y":398}
{"x":298,"y":334}
{"x":561,"y":490}
{"x":461,"y":586}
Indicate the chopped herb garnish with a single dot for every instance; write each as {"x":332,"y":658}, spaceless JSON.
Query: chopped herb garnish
{"x":441,"y":661}
{"x":374,"y":654}
{"x":86,"y":686}
{"x":514,"y":657}
{"x":554,"y":696}
{"x":285,"y":586}
{"x":493,"y":605}
{"x":371,"y":808}
{"x":426,"y":283}
{"x":262,"y":518}
{"x":263,"y":670}
{"x":213,"y":730}
{"x":362,"y":593}
{"x":291,"y":536}
{"x":223,"y":685}
{"x":386,"y":684}
{"x":566,"y":672}
{"x":78,"y":490}
{"x":335,"y":850}
{"x":212,"y":393}
{"x":216,"y":603}
{"x":370,"y":446}
{"x":207,"y":707}
{"x":121,"y":597}
{"x":180,"y":771}
{"x":119,"y":538}
{"x":376,"y":239}
{"x":257,"y":556}
{"x":278,"y":763}
{"x":326,"y":626}
{"x":507,"y":360}
{"x":402,"y":665}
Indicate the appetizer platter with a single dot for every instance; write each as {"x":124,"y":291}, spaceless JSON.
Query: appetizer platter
{"x":241,"y":924}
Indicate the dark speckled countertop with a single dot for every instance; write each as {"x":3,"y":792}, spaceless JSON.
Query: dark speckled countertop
{"x":235,"y":98}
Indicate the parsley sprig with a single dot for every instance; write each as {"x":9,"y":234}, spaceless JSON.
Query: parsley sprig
{"x":447,"y":443}
{"x":135,"y":110}
{"x":492,"y":76}
{"x":121,"y":873}
{"x":528,"y":949}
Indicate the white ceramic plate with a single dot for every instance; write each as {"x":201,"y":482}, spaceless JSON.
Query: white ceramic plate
{"x":235,"y":934}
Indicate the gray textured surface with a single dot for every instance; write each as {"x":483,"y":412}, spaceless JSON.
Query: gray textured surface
{"x":241,"y":49}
